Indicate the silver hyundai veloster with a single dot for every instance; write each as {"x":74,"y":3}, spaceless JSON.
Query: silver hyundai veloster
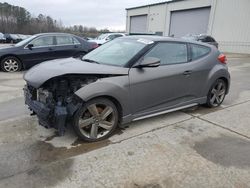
{"x":127,"y":79}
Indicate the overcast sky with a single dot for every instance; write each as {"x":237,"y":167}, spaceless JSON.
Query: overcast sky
{"x":101,"y":14}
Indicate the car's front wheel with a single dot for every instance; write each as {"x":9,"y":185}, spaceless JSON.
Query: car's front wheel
{"x":217,"y":93}
{"x":11,"y":64}
{"x":96,"y":120}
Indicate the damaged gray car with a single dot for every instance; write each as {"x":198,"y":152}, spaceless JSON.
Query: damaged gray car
{"x":125,"y":80}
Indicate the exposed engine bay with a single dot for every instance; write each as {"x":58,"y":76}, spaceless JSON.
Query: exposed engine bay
{"x":54,"y":102}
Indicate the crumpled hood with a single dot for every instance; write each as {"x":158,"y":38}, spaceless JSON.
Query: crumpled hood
{"x":39,"y":74}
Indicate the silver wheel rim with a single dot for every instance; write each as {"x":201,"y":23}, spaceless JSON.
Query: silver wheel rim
{"x":10,"y":65}
{"x":97,"y":121}
{"x":217,"y":94}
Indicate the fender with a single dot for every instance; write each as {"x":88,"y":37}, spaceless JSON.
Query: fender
{"x":116,"y":88}
{"x":216,"y":73}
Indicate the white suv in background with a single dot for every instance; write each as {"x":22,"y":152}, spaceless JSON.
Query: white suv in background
{"x":105,"y":37}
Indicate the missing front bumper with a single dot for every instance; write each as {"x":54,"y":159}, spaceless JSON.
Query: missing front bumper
{"x":47,"y":117}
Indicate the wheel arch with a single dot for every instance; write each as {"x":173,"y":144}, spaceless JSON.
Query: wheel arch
{"x":115,"y":101}
{"x":115,"y":93}
{"x":226,"y":81}
{"x":12,"y":55}
{"x":216,"y":74}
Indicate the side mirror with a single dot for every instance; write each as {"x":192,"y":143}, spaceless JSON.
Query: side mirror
{"x":149,"y":62}
{"x":30,"y":46}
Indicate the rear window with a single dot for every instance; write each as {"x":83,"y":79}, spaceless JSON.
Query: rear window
{"x":198,"y":51}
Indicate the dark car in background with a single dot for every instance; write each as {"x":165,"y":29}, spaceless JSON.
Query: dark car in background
{"x":23,"y":37}
{"x":12,"y":38}
{"x":43,"y":47}
{"x":202,"y":38}
{"x":2,"y":38}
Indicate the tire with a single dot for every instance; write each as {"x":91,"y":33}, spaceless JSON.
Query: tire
{"x":11,"y":64}
{"x":96,"y":120}
{"x":216,"y":94}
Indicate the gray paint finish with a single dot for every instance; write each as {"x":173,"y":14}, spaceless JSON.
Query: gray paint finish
{"x":142,"y":91}
{"x":138,"y":24}
{"x":192,"y":21}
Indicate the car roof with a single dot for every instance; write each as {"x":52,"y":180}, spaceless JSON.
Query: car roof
{"x":41,"y":34}
{"x":155,"y":38}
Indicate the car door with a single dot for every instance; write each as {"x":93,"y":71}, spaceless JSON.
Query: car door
{"x":154,"y":89}
{"x":42,"y":49}
{"x":66,"y":46}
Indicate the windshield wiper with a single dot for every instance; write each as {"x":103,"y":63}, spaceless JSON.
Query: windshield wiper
{"x":91,"y":61}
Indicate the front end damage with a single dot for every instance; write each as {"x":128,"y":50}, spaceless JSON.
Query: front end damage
{"x":55,"y":101}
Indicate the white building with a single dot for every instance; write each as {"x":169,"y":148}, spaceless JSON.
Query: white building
{"x":228,"y":21}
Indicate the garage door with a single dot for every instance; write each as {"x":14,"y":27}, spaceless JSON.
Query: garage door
{"x":193,"y":21}
{"x":138,"y":24}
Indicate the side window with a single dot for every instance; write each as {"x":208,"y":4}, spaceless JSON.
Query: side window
{"x":198,"y":51}
{"x":169,"y":53}
{"x":43,"y":41}
{"x":64,"y":40}
{"x":116,"y":36}
{"x":75,"y":41}
{"x":111,"y":37}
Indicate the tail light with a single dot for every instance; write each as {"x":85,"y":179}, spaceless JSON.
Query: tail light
{"x":94,"y":45}
{"x":222,"y":58}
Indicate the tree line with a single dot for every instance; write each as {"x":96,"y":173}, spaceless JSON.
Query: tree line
{"x":15,"y":19}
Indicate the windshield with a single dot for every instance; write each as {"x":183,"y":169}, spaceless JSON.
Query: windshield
{"x":102,"y":36}
{"x":117,"y":52}
{"x":23,"y":42}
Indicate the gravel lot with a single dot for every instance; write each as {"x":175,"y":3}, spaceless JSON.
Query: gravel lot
{"x":197,"y":147}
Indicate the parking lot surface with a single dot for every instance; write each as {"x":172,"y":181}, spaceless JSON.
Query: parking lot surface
{"x":197,"y":147}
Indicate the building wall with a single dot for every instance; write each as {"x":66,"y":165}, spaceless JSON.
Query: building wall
{"x":135,"y":12}
{"x":229,"y":21}
{"x":157,"y":18}
{"x":231,"y":25}
{"x":182,"y":5}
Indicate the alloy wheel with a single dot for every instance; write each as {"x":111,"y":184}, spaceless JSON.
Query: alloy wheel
{"x":218,"y":93}
{"x":97,"y":121}
{"x":10,"y":65}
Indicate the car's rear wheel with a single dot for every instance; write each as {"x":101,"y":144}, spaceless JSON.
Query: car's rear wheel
{"x":96,"y":120}
{"x":11,"y":64}
{"x":217,"y":93}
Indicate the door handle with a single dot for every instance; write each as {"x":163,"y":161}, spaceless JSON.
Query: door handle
{"x":51,"y":49}
{"x":187,"y":73}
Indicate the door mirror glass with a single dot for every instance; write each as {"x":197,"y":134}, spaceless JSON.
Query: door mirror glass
{"x":149,"y":62}
{"x":30,"y":46}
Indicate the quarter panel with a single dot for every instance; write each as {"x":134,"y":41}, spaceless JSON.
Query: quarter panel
{"x":218,"y":71}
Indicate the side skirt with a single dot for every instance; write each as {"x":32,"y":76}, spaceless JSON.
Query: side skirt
{"x":165,"y":111}
{"x":130,"y":117}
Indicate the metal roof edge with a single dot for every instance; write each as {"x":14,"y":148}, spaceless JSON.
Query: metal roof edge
{"x":153,"y":4}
